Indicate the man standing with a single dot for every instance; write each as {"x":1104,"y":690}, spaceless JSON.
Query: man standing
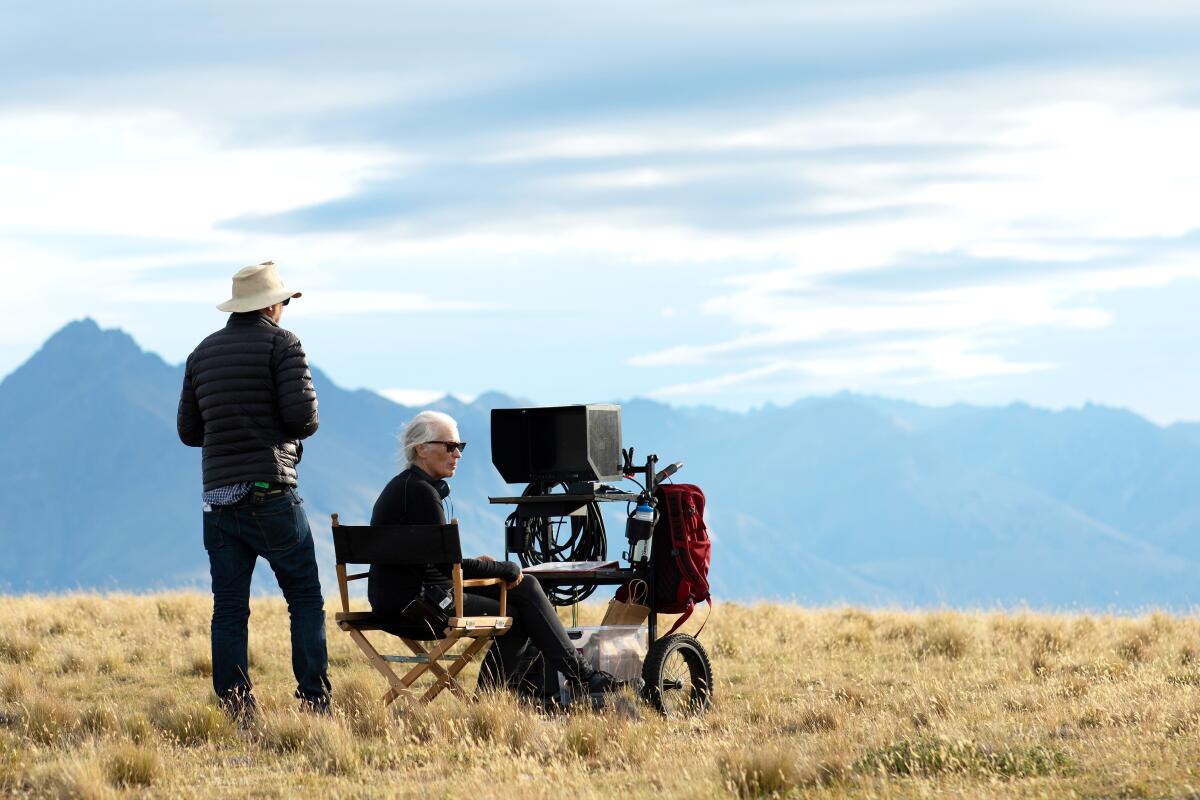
{"x":248,"y":400}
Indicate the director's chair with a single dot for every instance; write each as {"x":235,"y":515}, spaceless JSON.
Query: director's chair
{"x":415,"y":545}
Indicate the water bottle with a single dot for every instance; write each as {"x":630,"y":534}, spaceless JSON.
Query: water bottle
{"x":638,"y":530}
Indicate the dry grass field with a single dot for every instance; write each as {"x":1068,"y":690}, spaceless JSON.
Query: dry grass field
{"x":109,"y":696}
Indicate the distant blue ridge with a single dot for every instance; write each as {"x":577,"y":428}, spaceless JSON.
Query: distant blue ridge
{"x":840,"y":499}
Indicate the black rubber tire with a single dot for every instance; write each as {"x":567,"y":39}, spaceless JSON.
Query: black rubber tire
{"x":678,"y":676}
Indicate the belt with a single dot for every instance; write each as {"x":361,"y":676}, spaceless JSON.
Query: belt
{"x":268,"y":488}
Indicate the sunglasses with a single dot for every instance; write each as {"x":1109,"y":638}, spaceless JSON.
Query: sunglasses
{"x":287,"y":300}
{"x":451,"y":446}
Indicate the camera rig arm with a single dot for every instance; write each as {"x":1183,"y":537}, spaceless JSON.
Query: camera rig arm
{"x":653,"y":478}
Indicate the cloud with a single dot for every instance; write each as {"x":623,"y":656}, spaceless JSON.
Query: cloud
{"x":1021,"y":233}
{"x":342,"y":302}
{"x":852,"y":192}
{"x":319,"y":303}
{"x":898,"y":335}
{"x":786,"y":318}
{"x":151,"y":174}
{"x":894,"y":363}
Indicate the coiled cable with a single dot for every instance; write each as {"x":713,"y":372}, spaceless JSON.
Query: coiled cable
{"x":568,"y":538}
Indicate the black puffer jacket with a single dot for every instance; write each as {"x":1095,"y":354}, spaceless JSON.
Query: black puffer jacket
{"x":414,"y":498}
{"x":248,"y":399}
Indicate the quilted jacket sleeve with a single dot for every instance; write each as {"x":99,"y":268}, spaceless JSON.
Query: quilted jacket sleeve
{"x":294,"y":392}
{"x":188,"y":423}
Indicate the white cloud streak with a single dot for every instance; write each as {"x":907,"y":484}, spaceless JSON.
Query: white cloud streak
{"x":895,"y":363}
{"x":153,"y":174}
{"x":1067,"y":182}
{"x":1063,"y":172}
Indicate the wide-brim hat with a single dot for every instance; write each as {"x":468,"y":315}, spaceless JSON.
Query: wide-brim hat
{"x":257,"y":287}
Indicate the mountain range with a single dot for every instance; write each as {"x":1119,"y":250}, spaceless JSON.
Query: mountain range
{"x":846,"y":498}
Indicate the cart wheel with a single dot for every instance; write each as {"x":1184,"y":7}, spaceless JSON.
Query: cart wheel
{"x":678,"y":676}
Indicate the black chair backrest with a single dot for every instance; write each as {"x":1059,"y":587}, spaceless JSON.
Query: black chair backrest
{"x":397,"y":544}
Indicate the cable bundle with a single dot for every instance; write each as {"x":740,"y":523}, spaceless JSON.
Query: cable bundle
{"x":547,"y":539}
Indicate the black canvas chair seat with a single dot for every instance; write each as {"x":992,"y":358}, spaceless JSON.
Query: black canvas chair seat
{"x":369,"y":621}
{"x":410,"y":545}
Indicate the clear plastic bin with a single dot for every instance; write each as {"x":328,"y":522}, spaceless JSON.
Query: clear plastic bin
{"x":616,"y":649}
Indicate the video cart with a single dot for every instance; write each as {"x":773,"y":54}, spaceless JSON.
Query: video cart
{"x":566,"y":455}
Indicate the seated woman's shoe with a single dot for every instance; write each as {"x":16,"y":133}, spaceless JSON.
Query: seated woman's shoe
{"x":594,"y":681}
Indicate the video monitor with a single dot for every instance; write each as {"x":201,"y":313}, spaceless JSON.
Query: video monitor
{"x":557,"y":443}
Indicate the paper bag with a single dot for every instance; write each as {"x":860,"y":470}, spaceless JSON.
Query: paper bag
{"x":631,"y":611}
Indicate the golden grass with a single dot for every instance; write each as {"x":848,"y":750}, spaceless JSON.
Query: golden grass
{"x":129,"y":765}
{"x":109,"y":696}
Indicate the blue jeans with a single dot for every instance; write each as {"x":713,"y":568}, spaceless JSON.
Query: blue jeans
{"x":276,"y":528}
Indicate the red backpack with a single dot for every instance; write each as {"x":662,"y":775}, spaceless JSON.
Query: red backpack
{"x":681,"y":551}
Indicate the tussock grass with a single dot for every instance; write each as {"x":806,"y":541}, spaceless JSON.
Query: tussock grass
{"x":1183,"y":722}
{"x":48,"y":720}
{"x":331,"y":748}
{"x":15,"y":685}
{"x":283,"y":732}
{"x":760,"y":773}
{"x":193,"y":723}
{"x":852,"y":697}
{"x":585,"y":737}
{"x":110,"y":696}
{"x":815,"y":720}
{"x":198,"y":665}
{"x":498,"y":719}
{"x":1135,"y":645}
{"x":78,"y":778}
{"x":129,"y":765}
{"x":136,"y":727}
{"x":420,"y":725}
{"x":18,"y":647}
{"x":942,"y":635}
{"x":357,"y":701}
{"x":69,"y":662}
{"x":15,"y":760}
{"x":99,"y":720}
{"x":776,"y":771}
{"x":173,"y":609}
{"x":108,"y":664}
{"x":327,"y":744}
{"x":926,"y":756}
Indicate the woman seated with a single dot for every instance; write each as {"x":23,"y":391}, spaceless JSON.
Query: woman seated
{"x":414,"y":497}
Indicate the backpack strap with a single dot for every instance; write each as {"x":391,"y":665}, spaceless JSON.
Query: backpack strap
{"x":679,"y":538}
{"x":706,"y":616}
{"x":679,"y":541}
{"x":684,"y":617}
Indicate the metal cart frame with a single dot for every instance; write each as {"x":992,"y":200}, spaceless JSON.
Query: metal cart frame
{"x":547,"y":505}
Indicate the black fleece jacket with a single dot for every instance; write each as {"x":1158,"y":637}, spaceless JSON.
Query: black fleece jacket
{"x":415,"y":498}
{"x":248,"y":400}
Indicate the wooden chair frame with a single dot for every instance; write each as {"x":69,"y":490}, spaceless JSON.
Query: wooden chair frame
{"x":438,"y":544}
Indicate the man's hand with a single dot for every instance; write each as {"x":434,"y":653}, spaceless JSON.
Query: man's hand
{"x":484,"y":558}
{"x":517,"y":582}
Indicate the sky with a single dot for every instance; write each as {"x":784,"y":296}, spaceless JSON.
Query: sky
{"x":730,"y":204}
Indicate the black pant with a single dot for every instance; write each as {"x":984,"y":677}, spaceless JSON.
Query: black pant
{"x":276,"y":528}
{"x":536,"y":631}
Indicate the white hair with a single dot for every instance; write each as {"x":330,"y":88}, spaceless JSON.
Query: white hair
{"x":422,"y":428}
